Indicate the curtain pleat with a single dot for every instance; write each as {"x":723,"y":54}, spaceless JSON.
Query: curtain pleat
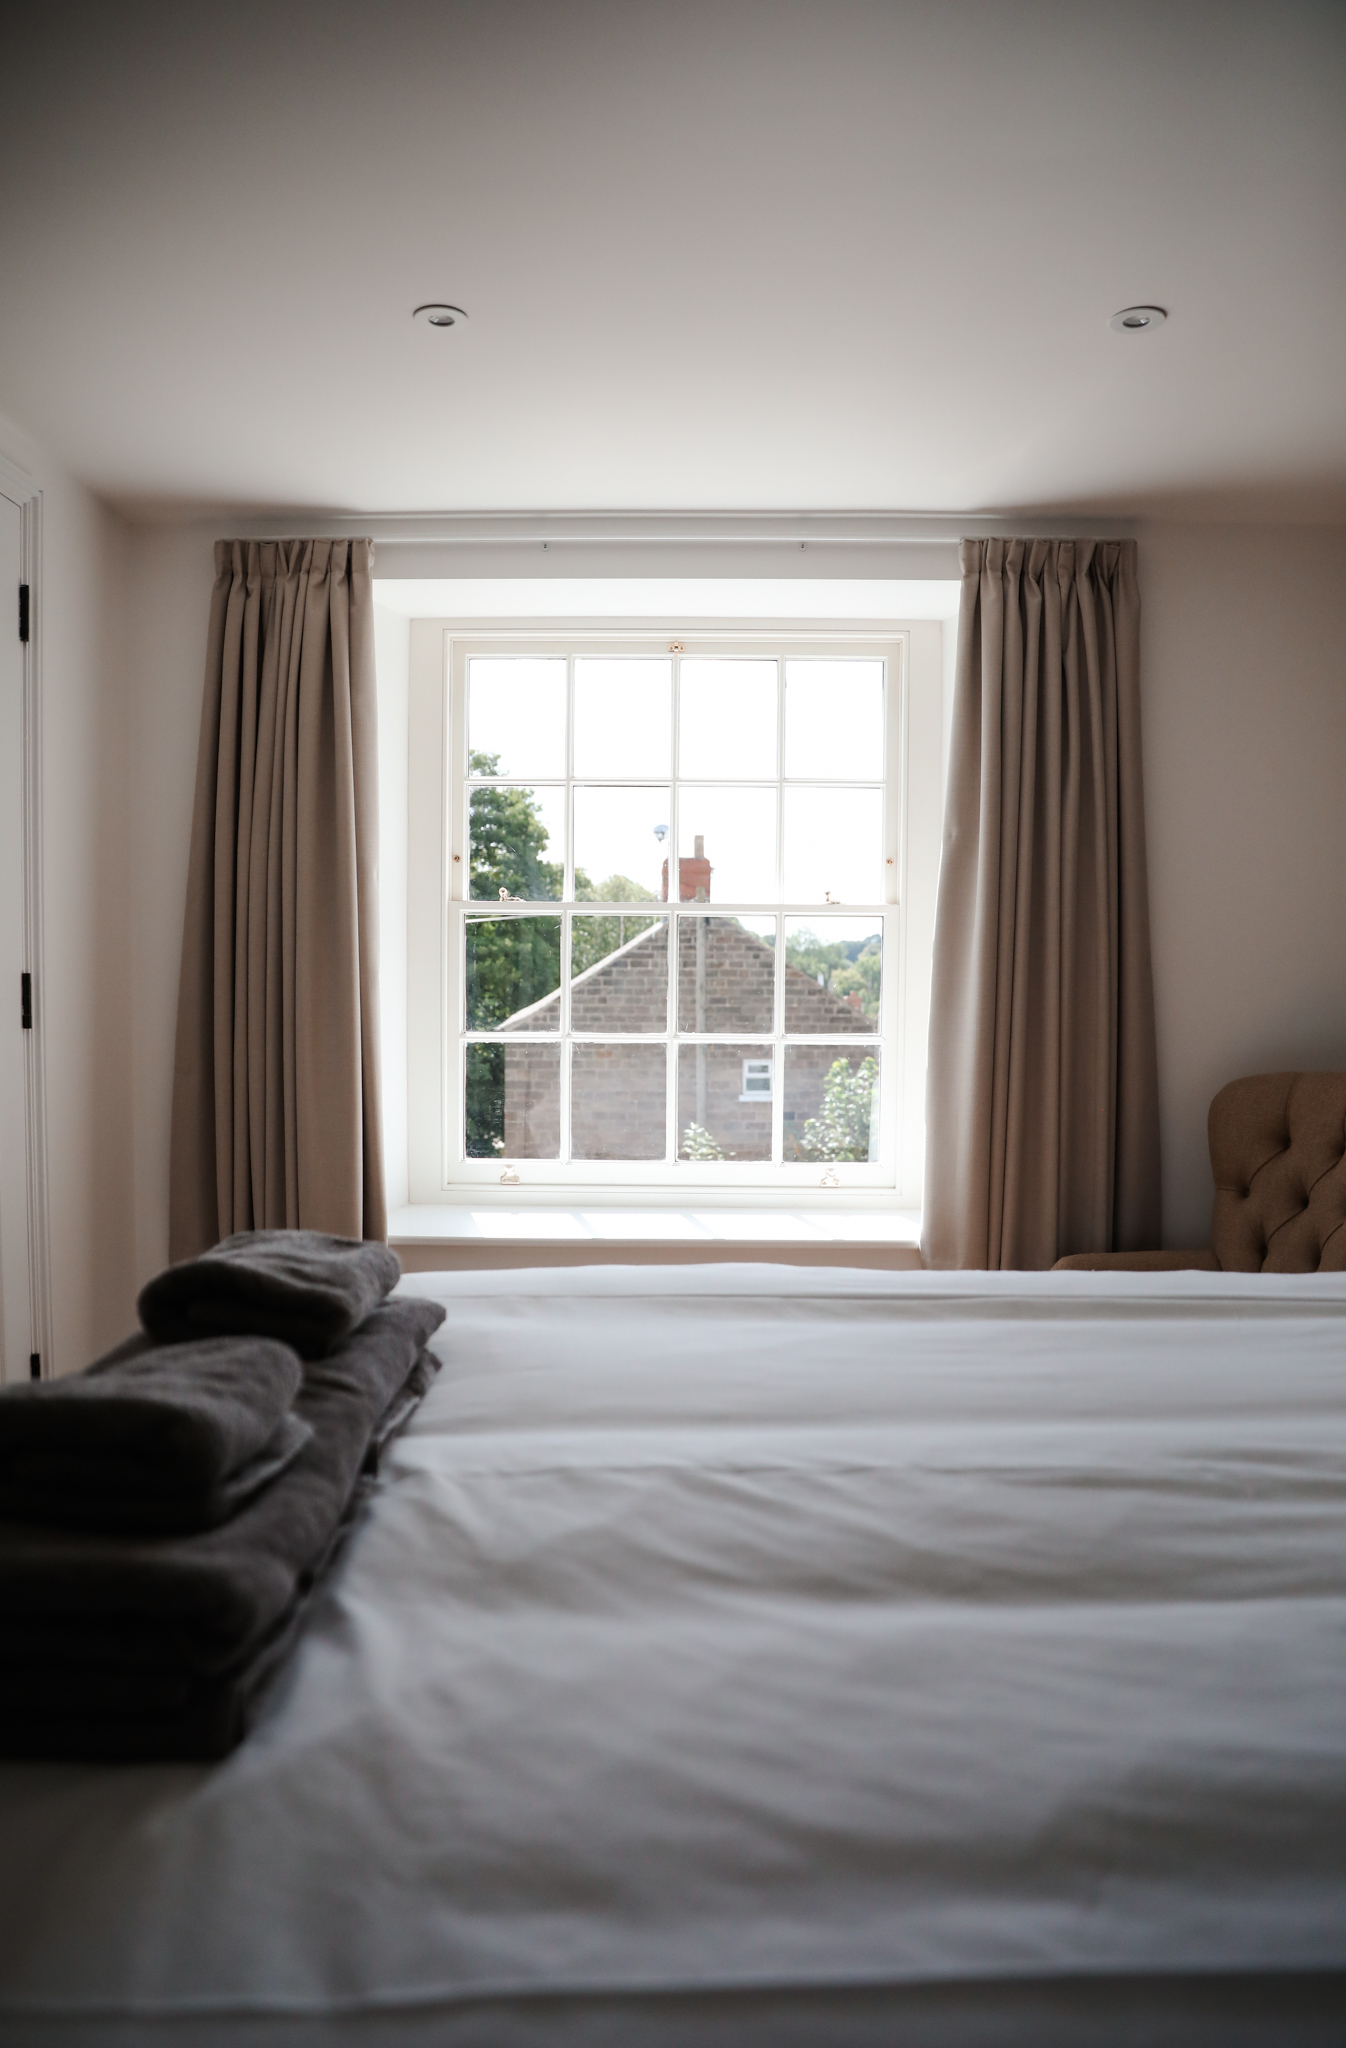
{"x":275,"y":1099}
{"x":1042,"y":1126}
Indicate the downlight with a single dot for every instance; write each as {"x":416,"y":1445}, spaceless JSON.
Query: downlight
{"x":1137,"y":319}
{"x":440,"y":316}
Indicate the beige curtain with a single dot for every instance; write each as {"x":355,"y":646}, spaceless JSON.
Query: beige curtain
{"x":1042,"y":1127}
{"x":276,"y":1081}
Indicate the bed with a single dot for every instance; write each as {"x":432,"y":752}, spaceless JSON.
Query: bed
{"x":756,"y":1654}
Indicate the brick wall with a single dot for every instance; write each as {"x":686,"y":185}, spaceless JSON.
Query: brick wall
{"x":617,"y":1108}
{"x":617,"y":1102}
{"x":532,"y":1101}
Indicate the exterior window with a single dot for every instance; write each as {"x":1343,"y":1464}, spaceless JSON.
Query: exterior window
{"x":756,"y":1081}
{"x":671,"y":945}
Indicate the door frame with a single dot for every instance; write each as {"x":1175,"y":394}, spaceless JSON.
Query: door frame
{"x":19,"y":488}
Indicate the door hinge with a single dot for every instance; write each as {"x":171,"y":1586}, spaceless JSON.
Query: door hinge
{"x":35,"y":1365}
{"x":23,"y":611}
{"x":26,"y":1000}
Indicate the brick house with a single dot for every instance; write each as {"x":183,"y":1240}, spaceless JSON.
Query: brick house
{"x":725,"y":985}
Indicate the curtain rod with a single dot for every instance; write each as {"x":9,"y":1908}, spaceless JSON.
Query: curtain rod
{"x":643,"y":530}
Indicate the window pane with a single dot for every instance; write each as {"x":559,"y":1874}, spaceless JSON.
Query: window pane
{"x":833,"y":846}
{"x":727,"y":718}
{"x":516,"y":843}
{"x":737,"y":830}
{"x":513,"y":973}
{"x":513,"y":1101}
{"x":619,"y":855}
{"x":617,"y":1106}
{"x":620,"y":965}
{"x":726,"y":973}
{"x":834,"y":719}
{"x":832,"y":969}
{"x":623,"y":716}
{"x":724,"y":1102}
{"x":831,"y":1108}
{"x":516,"y":716}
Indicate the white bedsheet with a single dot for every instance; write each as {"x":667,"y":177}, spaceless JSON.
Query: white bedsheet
{"x":766,"y":1626}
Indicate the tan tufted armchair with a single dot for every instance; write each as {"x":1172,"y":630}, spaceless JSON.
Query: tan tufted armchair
{"x":1278,"y":1154}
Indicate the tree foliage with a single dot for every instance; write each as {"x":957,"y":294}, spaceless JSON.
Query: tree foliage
{"x":841,"y":1128}
{"x":845,"y":966}
{"x":859,"y":977}
{"x":485,"y":1107}
{"x":508,"y":840}
{"x":699,"y":1143}
{"x":593,"y":938}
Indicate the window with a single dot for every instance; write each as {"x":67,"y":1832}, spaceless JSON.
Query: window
{"x":757,"y":1080}
{"x":670,"y":938}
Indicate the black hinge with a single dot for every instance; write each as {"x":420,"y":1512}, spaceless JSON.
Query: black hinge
{"x":35,"y":1365}
{"x":26,"y":1000}
{"x":23,"y":611}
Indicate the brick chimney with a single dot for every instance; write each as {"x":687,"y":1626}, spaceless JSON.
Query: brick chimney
{"x":693,"y":875}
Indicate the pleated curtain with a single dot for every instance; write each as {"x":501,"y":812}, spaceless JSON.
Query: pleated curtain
{"x":1042,"y":1127}
{"x":276,"y":1081}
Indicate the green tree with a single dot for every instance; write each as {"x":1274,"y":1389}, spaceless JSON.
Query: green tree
{"x":508,"y":840}
{"x":859,"y":977}
{"x":805,"y":950}
{"x":842,"y":966}
{"x":511,"y":962}
{"x":841,"y":1129}
{"x":485,"y":1112}
{"x":593,"y":938}
{"x":698,"y":1143}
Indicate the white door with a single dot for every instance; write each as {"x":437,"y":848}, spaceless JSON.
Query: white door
{"x":16,"y":1329}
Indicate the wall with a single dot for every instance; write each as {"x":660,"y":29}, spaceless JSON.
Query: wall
{"x":171,"y":572}
{"x":1243,"y":661}
{"x":392,"y":654}
{"x":84,"y":988}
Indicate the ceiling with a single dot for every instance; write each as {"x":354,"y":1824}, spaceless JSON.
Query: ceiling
{"x":761,"y":254}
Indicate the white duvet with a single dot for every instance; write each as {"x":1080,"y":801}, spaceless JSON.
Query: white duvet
{"x":754,"y":1625}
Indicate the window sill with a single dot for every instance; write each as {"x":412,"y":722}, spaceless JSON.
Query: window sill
{"x":428,"y":1236}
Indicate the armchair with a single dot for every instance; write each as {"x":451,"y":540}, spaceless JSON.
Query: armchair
{"x":1278,"y":1157}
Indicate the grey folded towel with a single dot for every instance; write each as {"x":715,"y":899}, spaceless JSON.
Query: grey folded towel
{"x":112,"y":1648}
{"x":307,"y":1289}
{"x":151,"y":1441}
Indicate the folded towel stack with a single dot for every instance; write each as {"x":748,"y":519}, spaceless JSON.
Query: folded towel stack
{"x":166,"y":1516}
{"x":152,"y":1441}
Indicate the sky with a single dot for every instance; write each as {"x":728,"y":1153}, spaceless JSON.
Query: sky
{"x":808,"y":835}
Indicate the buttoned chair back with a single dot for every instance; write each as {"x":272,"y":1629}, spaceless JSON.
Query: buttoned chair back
{"x":1278,"y":1154}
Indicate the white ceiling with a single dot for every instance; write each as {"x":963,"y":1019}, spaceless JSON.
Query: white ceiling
{"x":717,"y":253}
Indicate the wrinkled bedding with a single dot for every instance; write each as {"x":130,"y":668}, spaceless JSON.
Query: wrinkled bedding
{"x":727,"y":1630}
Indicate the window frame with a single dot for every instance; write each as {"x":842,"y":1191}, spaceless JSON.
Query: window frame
{"x":438,"y":903}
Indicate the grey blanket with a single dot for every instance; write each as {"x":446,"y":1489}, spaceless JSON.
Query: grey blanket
{"x":120,"y":1649}
{"x":305,"y":1288}
{"x":160,"y":1441}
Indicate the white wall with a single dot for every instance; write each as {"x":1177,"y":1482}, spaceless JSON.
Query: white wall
{"x":84,"y":996}
{"x":171,"y":573}
{"x":1243,"y":664}
{"x":392,"y":654}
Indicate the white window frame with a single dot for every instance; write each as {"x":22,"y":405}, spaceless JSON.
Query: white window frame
{"x":438,"y":897}
{"x":766,"y":1094}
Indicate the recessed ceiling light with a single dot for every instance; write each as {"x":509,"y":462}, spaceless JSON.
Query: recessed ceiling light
{"x":1136,"y":319}
{"x":440,"y":316}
